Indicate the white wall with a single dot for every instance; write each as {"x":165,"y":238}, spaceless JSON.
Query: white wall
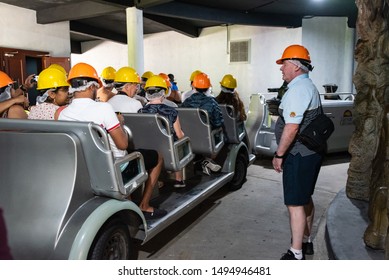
{"x":20,"y":30}
{"x":331,"y":45}
{"x":171,"y":52}
{"x":329,"y":40}
{"x":101,"y":54}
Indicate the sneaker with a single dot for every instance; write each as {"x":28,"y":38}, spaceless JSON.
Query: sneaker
{"x":290,"y":256}
{"x":211,"y":165}
{"x":308,"y":248}
{"x":206,"y":169}
{"x":179,"y":184}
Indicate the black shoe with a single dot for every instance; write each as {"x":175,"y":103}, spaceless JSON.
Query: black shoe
{"x":179,"y":184}
{"x":308,"y":248}
{"x":290,"y":256}
{"x":157,"y":213}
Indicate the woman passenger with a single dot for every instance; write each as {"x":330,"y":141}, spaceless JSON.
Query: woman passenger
{"x":230,"y":96}
{"x":54,"y":92}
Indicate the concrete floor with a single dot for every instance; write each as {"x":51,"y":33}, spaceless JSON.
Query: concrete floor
{"x":248,"y":224}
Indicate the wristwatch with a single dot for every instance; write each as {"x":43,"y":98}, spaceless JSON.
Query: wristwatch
{"x":277,"y":156}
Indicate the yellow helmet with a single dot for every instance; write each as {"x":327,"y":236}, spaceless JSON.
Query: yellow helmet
{"x":127,"y":75}
{"x":228,"y":81}
{"x":194,"y":74}
{"x":51,"y":78}
{"x":58,"y":67}
{"x":108,"y":73}
{"x":156,"y":81}
{"x":146,"y":75}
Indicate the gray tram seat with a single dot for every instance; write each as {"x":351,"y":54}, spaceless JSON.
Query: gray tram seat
{"x":86,"y":147}
{"x":195,"y":124}
{"x":234,"y":130}
{"x":152,"y":131}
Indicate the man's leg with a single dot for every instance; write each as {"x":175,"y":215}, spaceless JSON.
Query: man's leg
{"x":307,"y":242}
{"x":297,"y":225}
{"x":150,"y":184}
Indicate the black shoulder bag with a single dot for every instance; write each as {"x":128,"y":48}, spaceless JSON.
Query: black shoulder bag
{"x":317,"y":132}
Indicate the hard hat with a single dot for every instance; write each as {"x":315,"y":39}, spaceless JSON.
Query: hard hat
{"x":228,"y":81}
{"x":127,"y":75}
{"x":194,"y":74}
{"x":166,"y":78}
{"x":83,"y":70}
{"x":51,"y":78}
{"x":58,"y":67}
{"x":5,"y":80}
{"x":108,"y":73}
{"x":295,"y":52}
{"x":146,"y":75}
{"x":156,"y":81}
{"x":202,"y":81}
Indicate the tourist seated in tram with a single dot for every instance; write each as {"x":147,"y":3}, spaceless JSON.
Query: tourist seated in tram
{"x":229,"y":96}
{"x":156,"y":88}
{"x":201,"y":99}
{"x":53,"y":92}
{"x":13,"y":102}
{"x":84,"y":83}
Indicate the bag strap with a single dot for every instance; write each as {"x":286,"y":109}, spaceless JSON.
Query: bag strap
{"x":321,"y":106}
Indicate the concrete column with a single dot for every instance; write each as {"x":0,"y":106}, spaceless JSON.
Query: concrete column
{"x":135,"y":39}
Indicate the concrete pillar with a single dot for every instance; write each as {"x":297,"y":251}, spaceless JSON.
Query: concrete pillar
{"x":135,"y":39}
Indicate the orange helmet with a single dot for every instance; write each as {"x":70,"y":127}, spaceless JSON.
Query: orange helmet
{"x":5,"y":80}
{"x":194,"y":74}
{"x":83,"y":70}
{"x":166,"y":78}
{"x":201,"y":81}
{"x":295,"y":52}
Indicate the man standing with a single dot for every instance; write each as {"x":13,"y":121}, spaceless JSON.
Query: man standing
{"x":300,"y":166}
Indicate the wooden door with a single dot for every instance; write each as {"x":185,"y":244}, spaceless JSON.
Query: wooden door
{"x":63,"y":61}
{"x":14,"y":66}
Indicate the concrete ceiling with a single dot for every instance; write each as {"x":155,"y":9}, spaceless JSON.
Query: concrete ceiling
{"x":98,"y":19}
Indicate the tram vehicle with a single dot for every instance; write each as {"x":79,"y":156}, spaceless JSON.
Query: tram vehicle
{"x":263,"y":115}
{"x":63,"y":196}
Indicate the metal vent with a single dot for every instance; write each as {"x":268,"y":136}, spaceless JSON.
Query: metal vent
{"x":240,"y":51}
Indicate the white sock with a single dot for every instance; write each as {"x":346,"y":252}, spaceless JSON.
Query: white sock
{"x":306,"y":239}
{"x":298,"y":254}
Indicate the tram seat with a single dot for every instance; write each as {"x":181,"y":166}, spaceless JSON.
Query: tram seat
{"x":57,"y":154}
{"x":152,"y":131}
{"x":195,"y":124}
{"x":234,"y":130}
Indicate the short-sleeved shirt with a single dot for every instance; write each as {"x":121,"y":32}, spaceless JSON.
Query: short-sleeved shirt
{"x":122,"y":103}
{"x":43,"y":111}
{"x":299,"y":105}
{"x":101,"y":113}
